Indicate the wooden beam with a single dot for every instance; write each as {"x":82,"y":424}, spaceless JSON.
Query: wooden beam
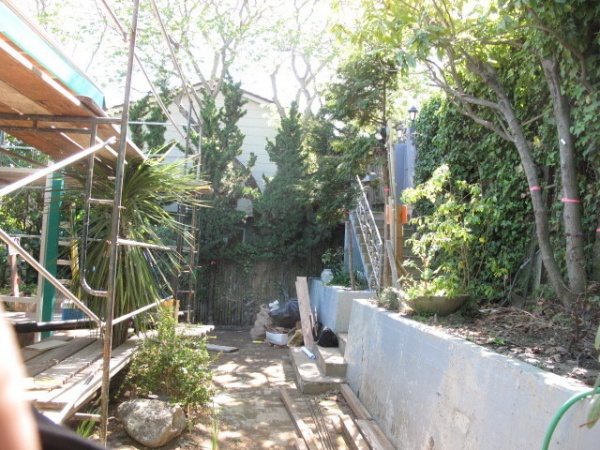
{"x":354,"y":403}
{"x":27,"y":352}
{"x":355,"y":440}
{"x":374,"y":436}
{"x":42,"y":362}
{"x":303,"y":430}
{"x":300,"y":444}
{"x":306,"y":316}
{"x":69,"y":367}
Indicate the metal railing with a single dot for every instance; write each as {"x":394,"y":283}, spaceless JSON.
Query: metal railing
{"x":371,"y":239}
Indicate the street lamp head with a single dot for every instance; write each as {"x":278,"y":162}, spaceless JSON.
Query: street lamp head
{"x":412,"y":113}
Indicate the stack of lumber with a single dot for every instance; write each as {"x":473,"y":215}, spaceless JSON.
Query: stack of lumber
{"x":65,"y":372}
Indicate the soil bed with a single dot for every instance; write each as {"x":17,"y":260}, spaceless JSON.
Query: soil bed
{"x":544,"y":336}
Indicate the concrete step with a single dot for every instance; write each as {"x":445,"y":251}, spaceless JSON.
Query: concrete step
{"x":309,"y":378}
{"x":342,"y":340}
{"x":331,"y":361}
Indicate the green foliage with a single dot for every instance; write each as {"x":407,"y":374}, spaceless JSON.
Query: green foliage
{"x":444,"y":136}
{"x":527,"y":70}
{"x":389,"y":298}
{"x":450,"y":239}
{"x":332,"y":259}
{"x":594,"y":412}
{"x":287,"y":219}
{"x":146,"y":109}
{"x":220,"y":225}
{"x":86,"y":428}
{"x":172,"y":365}
{"x":361,"y":95}
{"x":339,"y":155}
{"x":148,"y":186}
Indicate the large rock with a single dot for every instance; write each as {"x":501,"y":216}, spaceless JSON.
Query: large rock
{"x":152,"y":423}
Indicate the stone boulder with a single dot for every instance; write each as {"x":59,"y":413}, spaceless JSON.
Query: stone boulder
{"x":152,"y":423}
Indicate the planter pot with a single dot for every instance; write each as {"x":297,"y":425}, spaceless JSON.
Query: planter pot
{"x":436,"y":304}
{"x":326,"y":275}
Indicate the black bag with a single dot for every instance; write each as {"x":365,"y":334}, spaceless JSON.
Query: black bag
{"x":327,"y":338}
{"x":287,"y":315}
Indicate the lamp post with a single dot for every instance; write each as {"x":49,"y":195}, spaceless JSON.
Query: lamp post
{"x":412,"y":114}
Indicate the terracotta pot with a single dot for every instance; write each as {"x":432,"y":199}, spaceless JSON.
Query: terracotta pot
{"x":436,"y":304}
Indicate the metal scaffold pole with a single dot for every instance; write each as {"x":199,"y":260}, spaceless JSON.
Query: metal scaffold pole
{"x":114,"y":246}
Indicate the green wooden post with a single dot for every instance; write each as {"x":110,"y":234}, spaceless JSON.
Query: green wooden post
{"x":51,"y":251}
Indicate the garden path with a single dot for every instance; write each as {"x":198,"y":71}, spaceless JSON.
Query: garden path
{"x":250,"y":413}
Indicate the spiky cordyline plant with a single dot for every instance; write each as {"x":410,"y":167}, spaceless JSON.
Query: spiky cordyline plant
{"x":148,"y":186}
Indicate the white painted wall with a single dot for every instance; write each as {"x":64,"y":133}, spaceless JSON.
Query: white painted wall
{"x":428,"y":390}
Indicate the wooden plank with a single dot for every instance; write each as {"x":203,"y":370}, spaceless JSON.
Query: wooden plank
{"x":300,"y":444}
{"x":12,"y":298}
{"x":306,"y":316}
{"x":27,"y":353}
{"x":69,"y":367}
{"x":48,"y":359}
{"x":303,"y":430}
{"x":354,"y":403}
{"x":19,"y":102}
{"x":81,"y":392}
{"x":46,"y":345}
{"x":22,"y":76}
{"x":221,"y":348}
{"x":374,"y":436}
{"x":355,"y":440}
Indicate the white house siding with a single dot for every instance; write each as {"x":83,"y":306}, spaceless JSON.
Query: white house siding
{"x":257,"y":126}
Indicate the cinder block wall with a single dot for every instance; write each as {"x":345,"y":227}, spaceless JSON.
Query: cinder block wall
{"x":428,"y":390}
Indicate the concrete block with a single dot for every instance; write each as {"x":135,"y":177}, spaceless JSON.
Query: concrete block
{"x":309,"y":378}
{"x":333,"y":304}
{"x":426,"y":389}
{"x":331,"y":361}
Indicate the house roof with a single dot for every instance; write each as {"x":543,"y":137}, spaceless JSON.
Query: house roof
{"x":45,"y":100}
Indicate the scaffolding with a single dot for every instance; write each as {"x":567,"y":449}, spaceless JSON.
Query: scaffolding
{"x":65,"y":120}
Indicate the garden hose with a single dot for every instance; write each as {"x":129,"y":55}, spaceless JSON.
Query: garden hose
{"x":563,"y":409}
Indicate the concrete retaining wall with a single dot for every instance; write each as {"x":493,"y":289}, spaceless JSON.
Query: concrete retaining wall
{"x":333,"y":304}
{"x":428,"y":390}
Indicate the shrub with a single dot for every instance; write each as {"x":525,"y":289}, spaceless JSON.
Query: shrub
{"x":172,"y":365}
{"x":388,"y":298}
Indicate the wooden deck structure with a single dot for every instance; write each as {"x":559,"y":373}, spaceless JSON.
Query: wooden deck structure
{"x":52,"y":106}
{"x":65,"y":371}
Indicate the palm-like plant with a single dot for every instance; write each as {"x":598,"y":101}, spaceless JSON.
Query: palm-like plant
{"x":148,"y":186}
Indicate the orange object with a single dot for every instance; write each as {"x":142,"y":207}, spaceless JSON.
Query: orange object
{"x":403,"y":214}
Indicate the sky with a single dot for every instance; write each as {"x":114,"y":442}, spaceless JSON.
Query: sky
{"x":85,"y":16}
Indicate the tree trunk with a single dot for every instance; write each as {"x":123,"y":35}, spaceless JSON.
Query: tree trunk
{"x":571,"y":202}
{"x":540,"y":213}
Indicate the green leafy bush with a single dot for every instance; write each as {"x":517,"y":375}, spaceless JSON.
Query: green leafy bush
{"x":389,"y":298}
{"x":173,"y":365}
{"x":449,"y":240}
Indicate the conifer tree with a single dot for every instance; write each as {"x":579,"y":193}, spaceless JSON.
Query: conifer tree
{"x":286,"y":222}
{"x":222,"y":141}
